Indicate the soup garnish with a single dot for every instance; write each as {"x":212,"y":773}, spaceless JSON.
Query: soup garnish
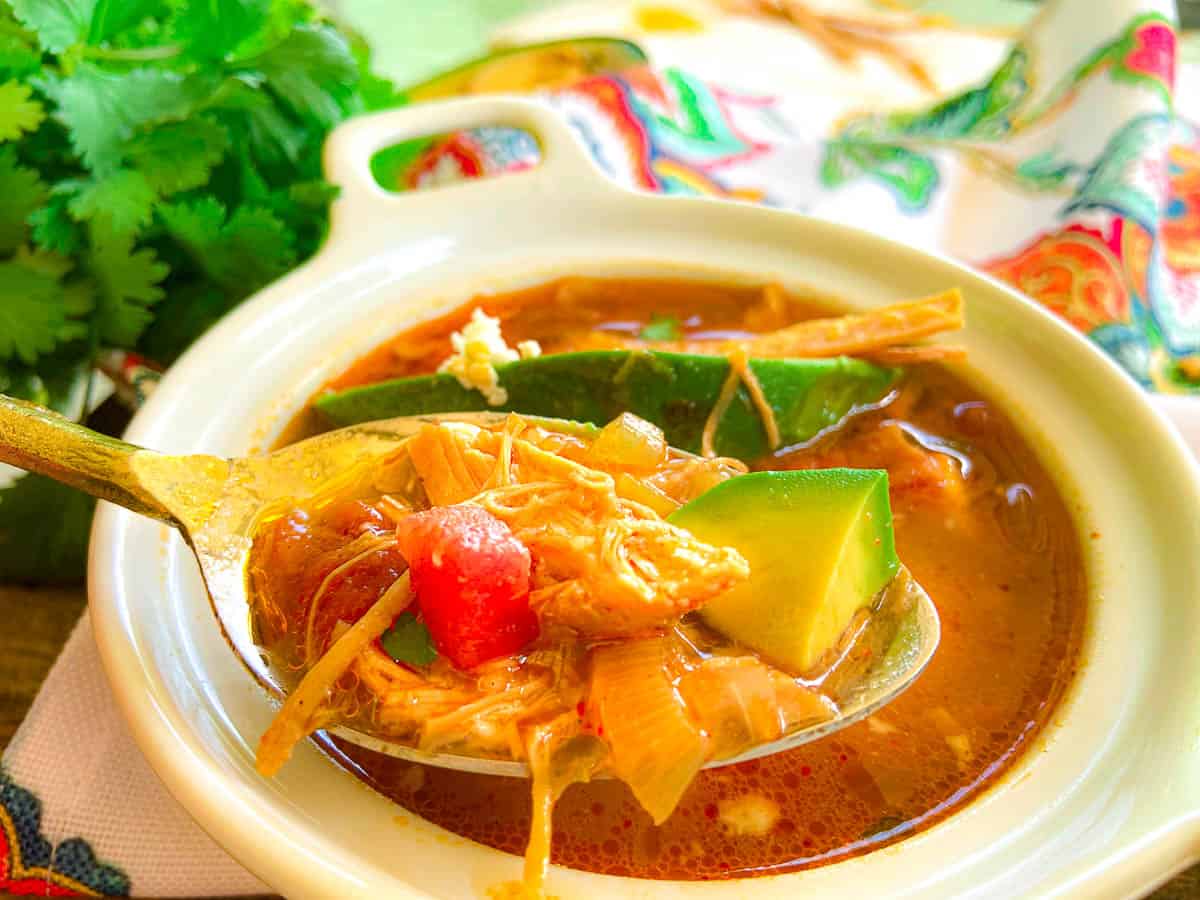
{"x":737,"y":398}
{"x":589,"y":601}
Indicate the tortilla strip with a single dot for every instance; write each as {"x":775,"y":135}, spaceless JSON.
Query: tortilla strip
{"x":300,"y":714}
{"x":923,"y":353}
{"x":857,"y":334}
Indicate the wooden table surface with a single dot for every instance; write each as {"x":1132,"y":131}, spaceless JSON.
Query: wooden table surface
{"x":37,"y":623}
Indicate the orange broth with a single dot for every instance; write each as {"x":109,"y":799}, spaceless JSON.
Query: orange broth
{"x":978,"y":521}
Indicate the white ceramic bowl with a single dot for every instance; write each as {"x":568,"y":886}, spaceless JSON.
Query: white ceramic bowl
{"x":1106,"y":805}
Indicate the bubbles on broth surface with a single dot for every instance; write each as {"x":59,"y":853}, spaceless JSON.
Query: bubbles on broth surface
{"x":599,"y":826}
{"x":1011,"y":619}
{"x":978,"y":522}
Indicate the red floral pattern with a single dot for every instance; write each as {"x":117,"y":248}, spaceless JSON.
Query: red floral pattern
{"x":1153,"y":53}
{"x":1074,"y":272}
{"x":30,"y":866}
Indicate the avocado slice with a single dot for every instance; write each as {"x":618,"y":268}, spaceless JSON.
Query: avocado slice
{"x":675,"y":391}
{"x":820,"y":547}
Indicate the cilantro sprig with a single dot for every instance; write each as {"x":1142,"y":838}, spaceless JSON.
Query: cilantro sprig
{"x":661,"y":328}
{"x":408,"y":641}
{"x":159,"y":162}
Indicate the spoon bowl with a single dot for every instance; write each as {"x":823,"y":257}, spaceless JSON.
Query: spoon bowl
{"x":216,"y":504}
{"x":905,"y":629}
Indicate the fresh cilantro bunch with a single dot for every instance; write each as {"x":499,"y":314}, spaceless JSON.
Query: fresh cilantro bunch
{"x":159,"y":162}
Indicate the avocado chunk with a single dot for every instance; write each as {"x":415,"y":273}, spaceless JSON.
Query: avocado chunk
{"x":820,"y":547}
{"x":675,"y":391}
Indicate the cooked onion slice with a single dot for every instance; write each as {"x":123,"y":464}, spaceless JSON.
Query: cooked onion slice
{"x":734,"y":699}
{"x":629,"y":441}
{"x":741,"y":702}
{"x":656,"y":749}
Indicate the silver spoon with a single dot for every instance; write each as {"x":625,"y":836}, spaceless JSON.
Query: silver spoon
{"x":214,"y":503}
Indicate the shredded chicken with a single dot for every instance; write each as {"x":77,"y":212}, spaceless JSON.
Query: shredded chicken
{"x":717,"y":413}
{"x":604,"y":564}
{"x":740,"y":373}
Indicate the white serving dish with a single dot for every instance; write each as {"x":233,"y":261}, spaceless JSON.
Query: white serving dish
{"x":1106,"y":805}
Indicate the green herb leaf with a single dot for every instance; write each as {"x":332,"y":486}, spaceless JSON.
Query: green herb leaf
{"x":53,"y":227}
{"x":376,"y":91}
{"x":128,"y":283}
{"x":47,"y":262}
{"x":19,"y":54}
{"x":408,"y":641}
{"x":661,"y":328}
{"x":43,"y":531}
{"x":313,"y":71}
{"x":160,"y":160}
{"x":179,"y":156}
{"x":58,"y":381}
{"x":58,"y":23}
{"x":101,"y":109}
{"x":112,"y":17}
{"x":123,"y":202}
{"x":18,"y":113}
{"x":186,"y":312}
{"x":246,"y":252}
{"x":196,"y":224}
{"x":22,"y":192}
{"x":213,"y":29}
{"x":33,"y":313}
{"x":273,"y":137}
{"x":312,"y":194}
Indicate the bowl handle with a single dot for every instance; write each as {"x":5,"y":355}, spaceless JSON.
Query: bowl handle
{"x":565,"y":164}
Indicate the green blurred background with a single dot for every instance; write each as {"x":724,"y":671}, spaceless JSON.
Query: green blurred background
{"x":416,"y":39}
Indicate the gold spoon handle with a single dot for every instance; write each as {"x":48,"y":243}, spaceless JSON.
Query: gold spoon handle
{"x":39,"y":440}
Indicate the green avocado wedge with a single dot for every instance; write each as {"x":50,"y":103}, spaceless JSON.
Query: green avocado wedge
{"x":675,"y":391}
{"x":820,"y":547}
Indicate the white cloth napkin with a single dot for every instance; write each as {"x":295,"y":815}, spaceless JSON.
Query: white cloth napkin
{"x":94,"y":783}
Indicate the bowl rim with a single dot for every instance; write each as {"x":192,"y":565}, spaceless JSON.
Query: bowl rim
{"x":197,"y":781}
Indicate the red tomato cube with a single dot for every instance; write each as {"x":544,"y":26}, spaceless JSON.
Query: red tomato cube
{"x":471,"y":579}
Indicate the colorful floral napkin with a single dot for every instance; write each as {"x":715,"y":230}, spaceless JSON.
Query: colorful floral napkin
{"x":1065,"y":172}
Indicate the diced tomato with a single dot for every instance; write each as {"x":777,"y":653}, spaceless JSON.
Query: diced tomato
{"x":303,"y":547}
{"x":353,"y":517}
{"x":357,"y":587}
{"x":471,"y":578}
